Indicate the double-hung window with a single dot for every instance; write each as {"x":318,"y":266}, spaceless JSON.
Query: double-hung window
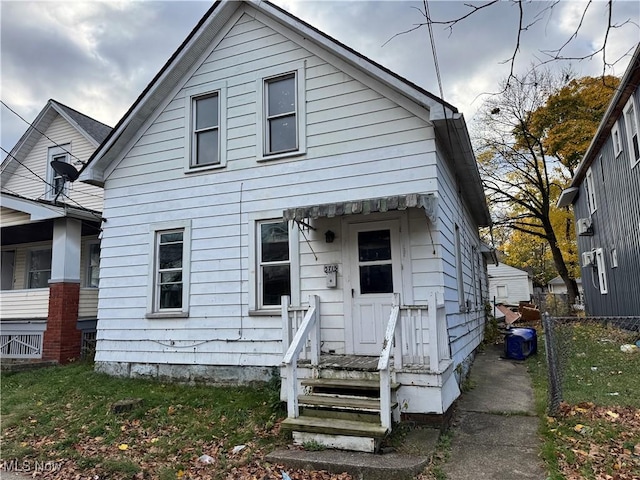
{"x":274,"y":263}
{"x":55,"y":182}
{"x":39,"y":272}
{"x":169,"y":270}
{"x":93,"y":265}
{"x":281,"y":124}
{"x":631,"y":122}
{"x":206,"y":131}
{"x":600,"y":271}
{"x":590,"y":191}
{"x":206,"y":138}
{"x":615,"y":137}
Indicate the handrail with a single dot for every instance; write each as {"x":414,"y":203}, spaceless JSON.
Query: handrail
{"x":310,"y":326}
{"x":383,"y":363}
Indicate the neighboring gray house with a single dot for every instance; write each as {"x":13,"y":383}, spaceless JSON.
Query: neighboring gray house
{"x":605,"y":193}
{"x":509,"y":285}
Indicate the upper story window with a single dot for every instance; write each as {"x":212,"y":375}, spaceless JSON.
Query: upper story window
{"x":39,"y":269}
{"x":206,"y":137}
{"x":55,"y":183}
{"x":281,"y":125}
{"x":590,"y":191}
{"x":280,"y":113}
{"x":631,"y":122}
{"x":615,"y":137}
{"x":206,"y":131}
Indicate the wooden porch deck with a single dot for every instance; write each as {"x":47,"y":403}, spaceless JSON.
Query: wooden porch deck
{"x":345,"y":362}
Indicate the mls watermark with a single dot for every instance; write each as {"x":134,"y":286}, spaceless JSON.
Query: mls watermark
{"x":29,"y":466}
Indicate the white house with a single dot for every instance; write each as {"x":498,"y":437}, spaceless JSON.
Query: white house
{"x":509,"y":285}
{"x":557,"y":286}
{"x":266,"y":162}
{"x":50,"y":247}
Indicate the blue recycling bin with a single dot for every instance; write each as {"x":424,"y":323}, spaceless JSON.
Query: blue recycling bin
{"x":520,"y":343}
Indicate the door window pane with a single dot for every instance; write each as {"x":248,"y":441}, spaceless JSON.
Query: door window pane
{"x":374,"y":245}
{"x":376,"y":279}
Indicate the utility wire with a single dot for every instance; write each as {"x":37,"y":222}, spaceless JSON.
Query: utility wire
{"x":42,"y":133}
{"x":433,"y":45}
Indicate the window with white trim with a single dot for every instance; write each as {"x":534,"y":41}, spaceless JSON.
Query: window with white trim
{"x":93,"y":265}
{"x":169,"y":271}
{"x":590,"y":191}
{"x":56,"y":185}
{"x":501,"y":291}
{"x":281,"y":123}
{"x":600,"y":271}
{"x":615,"y":137}
{"x":631,"y":121}
{"x":206,"y":137}
{"x":459,"y":272}
{"x":274,"y":263}
{"x":39,"y":268}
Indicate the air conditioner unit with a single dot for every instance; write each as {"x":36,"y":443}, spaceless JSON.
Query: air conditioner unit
{"x":588,"y":258}
{"x":584,"y":226}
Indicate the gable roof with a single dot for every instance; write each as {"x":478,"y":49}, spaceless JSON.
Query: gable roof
{"x":628,"y":84}
{"x":94,"y":131}
{"x":448,"y":122}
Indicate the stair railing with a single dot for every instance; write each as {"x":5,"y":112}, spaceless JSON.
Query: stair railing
{"x":392,"y":340}
{"x":438,"y":334}
{"x":309,"y":328}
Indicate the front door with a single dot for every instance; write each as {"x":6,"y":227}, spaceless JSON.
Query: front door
{"x":374,"y":275}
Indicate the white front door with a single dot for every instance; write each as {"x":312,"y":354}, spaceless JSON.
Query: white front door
{"x":374,"y":275}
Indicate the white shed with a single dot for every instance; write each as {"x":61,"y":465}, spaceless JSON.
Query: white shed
{"x":509,"y":285}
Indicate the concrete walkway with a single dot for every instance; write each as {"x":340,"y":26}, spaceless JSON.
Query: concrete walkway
{"x":495,"y":425}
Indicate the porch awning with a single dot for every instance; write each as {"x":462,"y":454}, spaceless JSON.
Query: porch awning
{"x":364,"y":207}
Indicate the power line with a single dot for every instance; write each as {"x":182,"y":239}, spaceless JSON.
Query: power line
{"x":433,"y":45}
{"x":42,"y":133}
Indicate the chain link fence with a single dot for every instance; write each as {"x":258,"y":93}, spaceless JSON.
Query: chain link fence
{"x":576,"y":347}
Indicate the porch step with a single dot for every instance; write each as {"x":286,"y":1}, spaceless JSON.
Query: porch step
{"x":359,"y":404}
{"x":341,"y":384}
{"x":330,"y":426}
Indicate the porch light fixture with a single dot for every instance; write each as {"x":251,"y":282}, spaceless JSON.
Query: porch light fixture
{"x":329,"y":236}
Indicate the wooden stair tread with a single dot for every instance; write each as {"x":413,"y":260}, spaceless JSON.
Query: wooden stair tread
{"x":346,"y":383}
{"x":331,"y":426}
{"x":346,"y":403}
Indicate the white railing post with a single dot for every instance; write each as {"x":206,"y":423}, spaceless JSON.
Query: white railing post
{"x":432,"y":320}
{"x":306,"y":329}
{"x":286,"y":324}
{"x":383,"y":363}
{"x":314,"y":335}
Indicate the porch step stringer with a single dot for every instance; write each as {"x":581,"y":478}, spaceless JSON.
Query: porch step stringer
{"x":341,"y":413}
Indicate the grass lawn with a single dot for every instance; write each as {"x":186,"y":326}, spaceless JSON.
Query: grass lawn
{"x":597,"y":432}
{"x":61,"y":418}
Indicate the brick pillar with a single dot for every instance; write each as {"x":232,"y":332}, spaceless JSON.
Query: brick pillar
{"x":62,"y":339}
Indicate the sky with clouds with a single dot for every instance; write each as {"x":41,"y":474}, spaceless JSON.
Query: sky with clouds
{"x":97,"y":57}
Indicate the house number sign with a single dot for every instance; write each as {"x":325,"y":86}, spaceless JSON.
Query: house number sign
{"x":331,"y":269}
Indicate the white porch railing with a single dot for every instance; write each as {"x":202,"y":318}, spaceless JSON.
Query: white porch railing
{"x":307,"y":333}
{"x":22,"y":339}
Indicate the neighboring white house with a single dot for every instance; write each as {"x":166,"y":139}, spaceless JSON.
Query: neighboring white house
{"x":266,"y":161}
{"x":557,"y":286}
{"x":50,"y":247}
{"x":509,"y":285}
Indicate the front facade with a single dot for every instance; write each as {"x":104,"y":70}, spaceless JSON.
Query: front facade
{"x":271,"y":183}
{"x":605,"y":193}
{"x":50,"y":247}
{"x":509,"y":285}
